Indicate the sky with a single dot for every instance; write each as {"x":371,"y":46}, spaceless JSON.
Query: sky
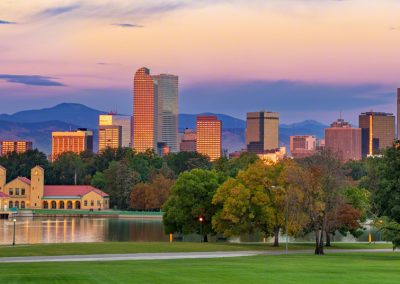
{"x":306,"y":59}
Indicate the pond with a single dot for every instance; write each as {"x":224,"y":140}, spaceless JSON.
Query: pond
{"x":71,"y":229}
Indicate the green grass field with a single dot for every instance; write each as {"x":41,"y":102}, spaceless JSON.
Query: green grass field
{"x":148,"y":247}
{"x":332,"y":268}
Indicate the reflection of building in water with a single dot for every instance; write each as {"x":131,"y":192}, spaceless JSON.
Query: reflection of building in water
{"x":34,"y":194}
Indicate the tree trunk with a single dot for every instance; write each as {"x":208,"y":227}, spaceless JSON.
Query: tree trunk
{"x":316,"y":242}
{"x":328,"y":239}
{"x":319,"y":242}
{"x":205,"y":238}
{"x":276,"y":237}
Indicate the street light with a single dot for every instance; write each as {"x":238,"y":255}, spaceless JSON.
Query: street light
{"x":201,"y":219}
{"x":14,"y":221}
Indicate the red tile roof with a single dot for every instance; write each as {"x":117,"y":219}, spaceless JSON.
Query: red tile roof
{"x":70,"y":190}
{"x":3,"y":195}
{"x":25,"y":180}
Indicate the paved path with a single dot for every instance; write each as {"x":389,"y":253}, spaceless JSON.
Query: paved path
{"x":163,"y":256}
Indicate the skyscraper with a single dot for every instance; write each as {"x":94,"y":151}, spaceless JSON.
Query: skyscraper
{"x":188,"y":142}
{"x":124,"y":121}
{"x":71,"y":141}
{"x":343,"y":140}
{"x":167,"y":110}
{"x":262,"y":131}
{"x":145,"y":112}
{"x":209,"y":140}
{"x":378,"y":131}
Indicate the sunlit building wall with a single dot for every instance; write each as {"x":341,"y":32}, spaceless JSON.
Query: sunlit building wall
{"x":125,"y":121}
{"x":378,"y":131}
{"x":110,"y":136}
{"x":188,"y":141}
{"x":145,"y":114}
{"x":76,"y":141}
{"x":262,"y":130}
{"x":15,"y":146}
{"x":209,"y":140}
{"x":302,"y":146}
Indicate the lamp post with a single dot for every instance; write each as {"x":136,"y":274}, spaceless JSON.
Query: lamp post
{"x":14,"y":221}
{"x":201,"y":219}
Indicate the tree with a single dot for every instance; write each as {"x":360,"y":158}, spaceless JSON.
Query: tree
{"x":68,"y":169}
{"x":186,"y":161}
{"x":321,"y":179}
{"x":256,"y":200}
{"x":232,"y":166}
{"x":151,"y":196}
{"x":119,"y":181}
{"x":98,"y":180}
{"x":190,"y":199}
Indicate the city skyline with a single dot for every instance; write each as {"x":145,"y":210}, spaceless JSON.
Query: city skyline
{"x":83,"y":52}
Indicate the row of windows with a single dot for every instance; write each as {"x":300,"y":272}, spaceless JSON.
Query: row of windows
{"x":17,"y":191}
{"x":16,"y":204}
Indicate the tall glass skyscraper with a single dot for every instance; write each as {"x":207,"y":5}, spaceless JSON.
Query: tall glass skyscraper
{"x":155,"y":111}
{"x":144,"y":111}
{"x":167,"y":105}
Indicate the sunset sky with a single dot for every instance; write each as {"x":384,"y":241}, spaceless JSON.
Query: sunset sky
{"x":307,"y":59}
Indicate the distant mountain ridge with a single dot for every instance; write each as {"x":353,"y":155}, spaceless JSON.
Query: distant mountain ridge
{"x":37,"y":125}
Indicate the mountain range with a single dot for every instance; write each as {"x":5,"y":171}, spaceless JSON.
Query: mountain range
{"x":37,"y":125}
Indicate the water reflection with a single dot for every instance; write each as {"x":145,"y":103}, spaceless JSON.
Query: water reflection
{"x":65,"y":230}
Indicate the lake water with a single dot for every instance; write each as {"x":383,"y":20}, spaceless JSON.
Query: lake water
{"x":66,"y":230}
{"x":70,"y":229}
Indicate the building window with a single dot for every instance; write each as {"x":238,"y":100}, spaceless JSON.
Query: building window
{"x":22,"y":191}
{"x":91,"y":203}
{"x":85,"y":202}
{"x":16,"y":204}
{"x":11,"y":191}
{"x":22,"y":204}
{"x":10,"y":204}
{"x":17,"y":191}
{"x":98,"y":203}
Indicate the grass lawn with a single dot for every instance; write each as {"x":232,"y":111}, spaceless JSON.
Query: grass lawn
{"x":148,"y":247}
{"x":332,"y":268}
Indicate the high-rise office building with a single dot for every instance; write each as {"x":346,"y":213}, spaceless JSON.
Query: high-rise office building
{"x":110,"y":136}
{"x":378,"y":131}
{"x":9,"y":146}
{"x":125,"y":121}
{"x":262,"y":131}
{"x":344,"y":140}
{"x":302,"y":146}
{"x":188,"y":141}
{"x":209,"y":140}
{"x":167,"y":110}
{"x":398,"y":113}
{"x":145,"y":111}
{"x":71,"y":141}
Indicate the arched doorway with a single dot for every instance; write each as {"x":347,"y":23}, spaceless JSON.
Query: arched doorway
{"x":69,"y":204}
{"x":45,"y":205}
{"x":22,"y":204}
{"x":10,"y":204}
{"x":62,"y":205}
{"x":17,"y":204}
{"x":77,"y":205}
{"x":53,"y":205}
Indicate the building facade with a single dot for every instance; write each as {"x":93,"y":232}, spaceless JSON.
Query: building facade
{"x":302,"y":146}
{"x":76,"y":141}
{"x":167,"y":110}
{"x":125,"y":121}
{"x":344,"y":140}
{"x":188,"y":141}
{"x":9,"y":146}
{"x":262,"y":131}
{"x":145,"y":112}
{"x":378,"y":131}
{"x":209,"y":132}
{"x":110,"y":136}
{"x":24,"y":193}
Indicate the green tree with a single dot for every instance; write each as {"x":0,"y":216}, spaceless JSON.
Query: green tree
{"x":98,"y":180}
{"x":231,"y":167}
{"x":119,"y":181}
{"x":190,"y":199}
{"x":186,"y":161}
{"x":68,"y":169}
